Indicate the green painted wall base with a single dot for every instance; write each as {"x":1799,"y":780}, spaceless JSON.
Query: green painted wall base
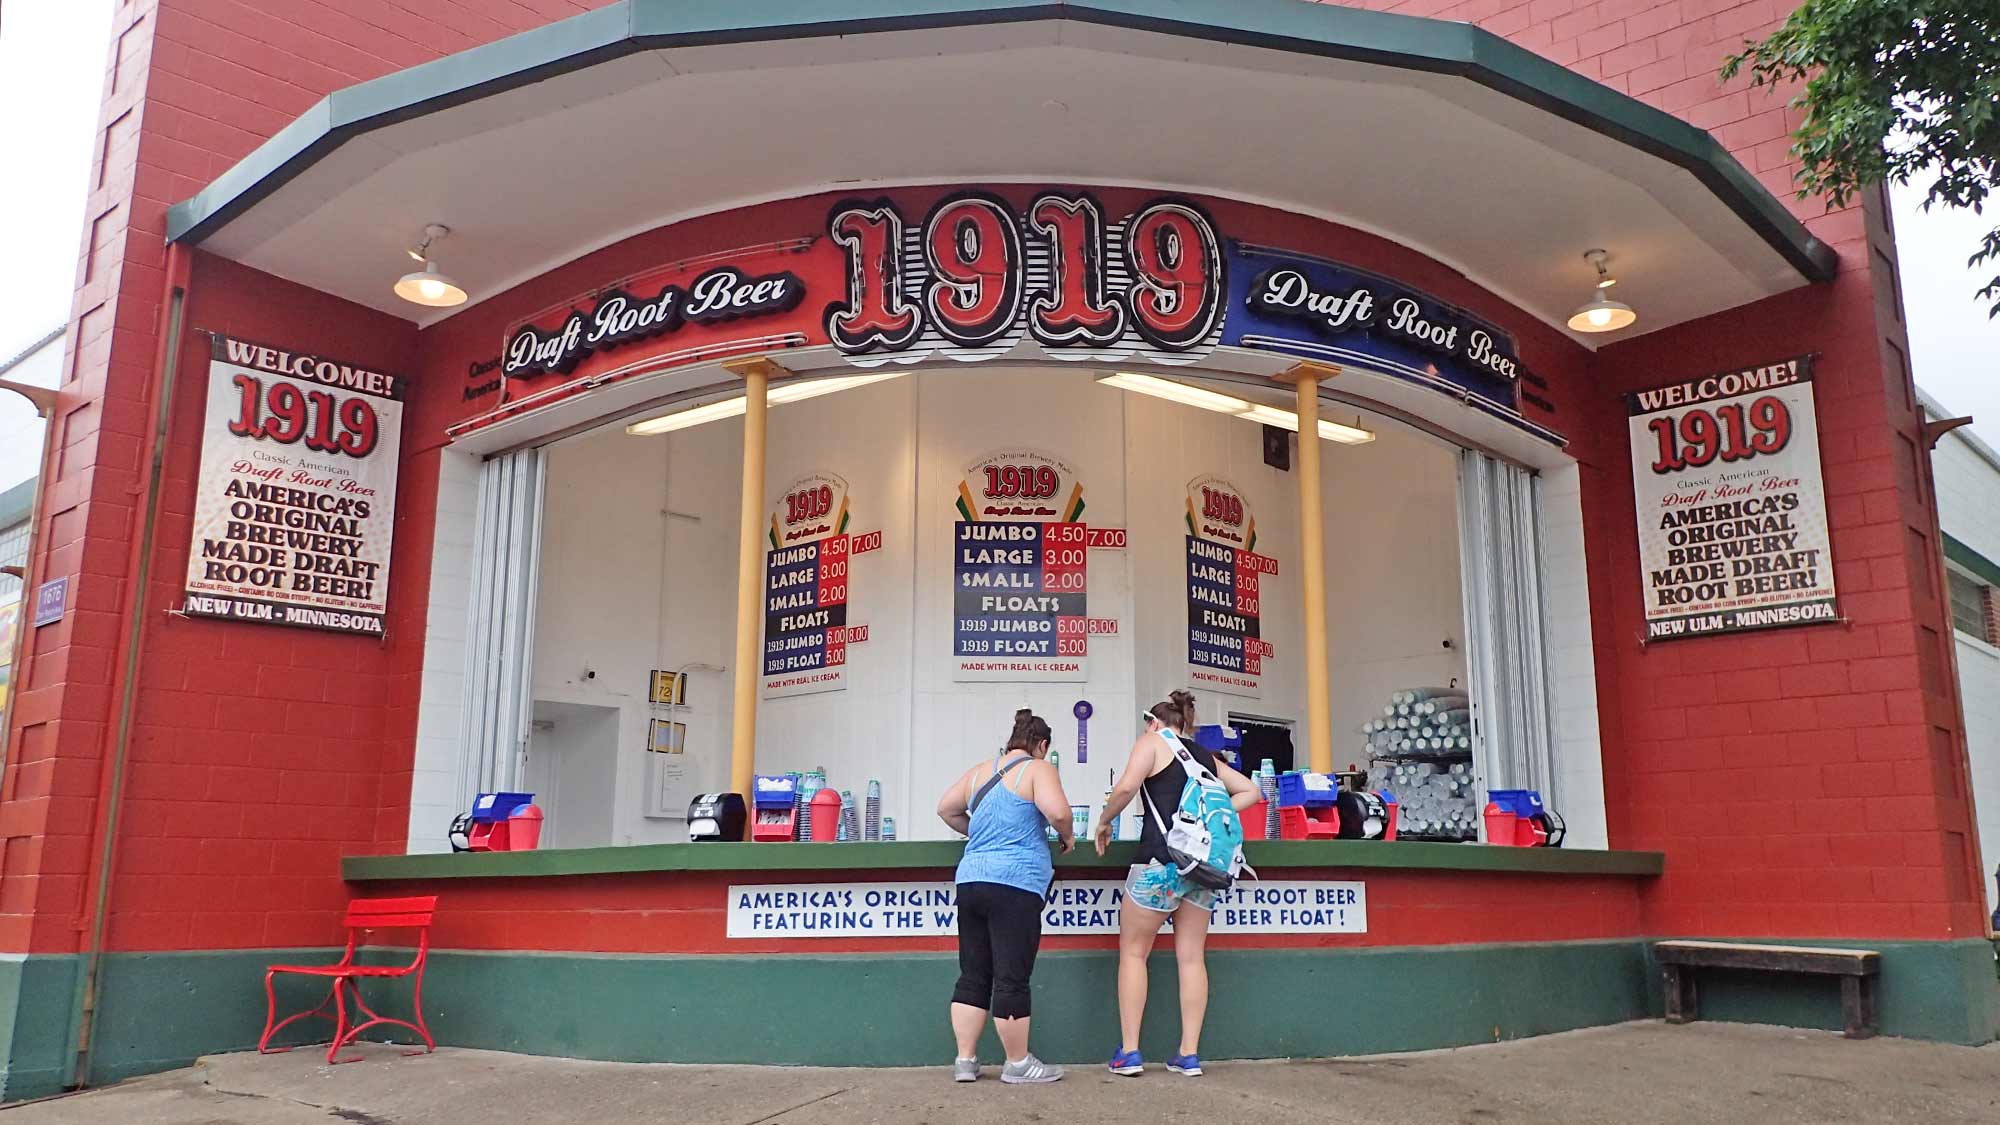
{"x":891,"y":1010}
{"x":163,"y":1010}
{"x":35,"y":1031}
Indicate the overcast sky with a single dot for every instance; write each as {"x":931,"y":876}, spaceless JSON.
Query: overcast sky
{"x":52,"y":58}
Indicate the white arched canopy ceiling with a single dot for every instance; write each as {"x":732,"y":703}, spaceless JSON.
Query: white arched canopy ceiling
{"x":539,"y":148}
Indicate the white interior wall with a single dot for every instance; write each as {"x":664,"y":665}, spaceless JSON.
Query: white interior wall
{"x":1579,"y":796}
{"x":638,"y":573}
{"x":619,"y":505}
{"x":1167,"y":446}
{"x":1392,"y":590}
{"x":1979,"y":688}
{"x":437,"y":766}
{"x":867,"y":436}
{"x":572,"y":771}
{"x":962,"y":417}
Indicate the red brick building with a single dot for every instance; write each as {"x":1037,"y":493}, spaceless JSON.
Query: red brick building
{"x":180,"y":791}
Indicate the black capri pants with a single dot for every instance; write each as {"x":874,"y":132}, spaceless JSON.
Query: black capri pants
{"x":999,"y":931}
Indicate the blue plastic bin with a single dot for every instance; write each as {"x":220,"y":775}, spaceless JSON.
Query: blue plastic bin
{"x":488,"y":808}
{"x":1293,"y":793}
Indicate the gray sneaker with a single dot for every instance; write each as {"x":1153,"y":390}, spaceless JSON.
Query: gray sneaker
{"x":965,"y":1070}
{"x":1030,"y":1069}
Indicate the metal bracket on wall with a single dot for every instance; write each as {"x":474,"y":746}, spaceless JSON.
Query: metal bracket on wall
{"x":1934,"y":430}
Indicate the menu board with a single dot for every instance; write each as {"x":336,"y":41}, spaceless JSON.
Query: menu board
{"x":1225,"y":580}
{"x":1020,"y":572}
{"x":1731,"y":504}
{"x":296,"y":498}
{"x":806,"y":589}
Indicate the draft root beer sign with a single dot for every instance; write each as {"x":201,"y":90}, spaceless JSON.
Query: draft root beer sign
{"x":1003,"y":272}
{"x":1225,"y":645}
{"x":1731,"y":504}
{"x":295,"y":501}
{"x":1020,"y":571}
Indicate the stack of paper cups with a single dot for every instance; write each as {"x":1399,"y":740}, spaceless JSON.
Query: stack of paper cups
{"x":872,"y":821}
{"x":807,"y":787}
{"x":1267,"y":784}
{"x":850,"y":819}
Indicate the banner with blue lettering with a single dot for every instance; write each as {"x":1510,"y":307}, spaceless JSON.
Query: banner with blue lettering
{"x":1333,"y":313}
{"x":905,"y":910}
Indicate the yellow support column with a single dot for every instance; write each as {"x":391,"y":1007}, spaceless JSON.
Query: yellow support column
{"x":756,"y":375}
{"x":1305,"y":379}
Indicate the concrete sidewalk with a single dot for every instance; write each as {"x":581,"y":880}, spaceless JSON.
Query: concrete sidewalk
{"x":1632,"y":1074}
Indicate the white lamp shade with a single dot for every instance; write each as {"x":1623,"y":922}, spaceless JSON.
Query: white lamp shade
{"x":1602,"y":314}
{"x":429,"y":287}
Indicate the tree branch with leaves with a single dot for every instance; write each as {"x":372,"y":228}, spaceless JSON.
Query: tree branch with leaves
{"x":1893,"y":89}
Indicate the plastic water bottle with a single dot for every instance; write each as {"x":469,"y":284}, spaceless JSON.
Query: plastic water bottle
{"x":888,"y":828}
{"x":872,"y":822}
{"x":1055,"y":763}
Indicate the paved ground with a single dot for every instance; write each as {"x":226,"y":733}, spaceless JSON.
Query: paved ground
{"x":1633,"y":1074}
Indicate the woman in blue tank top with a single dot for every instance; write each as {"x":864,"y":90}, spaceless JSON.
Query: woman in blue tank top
{"x":1003,"y":807}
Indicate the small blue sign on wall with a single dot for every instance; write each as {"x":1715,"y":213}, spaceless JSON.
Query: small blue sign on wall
{"x":1322,"y":310}
{"x":51,"y":599}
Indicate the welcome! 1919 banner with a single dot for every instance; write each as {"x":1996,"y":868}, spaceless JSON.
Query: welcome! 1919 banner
{"x":1731,"y":504}
{"x":296,"y":498}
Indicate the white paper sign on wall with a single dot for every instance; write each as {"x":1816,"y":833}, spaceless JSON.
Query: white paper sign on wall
{"x":295,"y":504}
{"x":900,"y":910}
{"x":1731,"y":505}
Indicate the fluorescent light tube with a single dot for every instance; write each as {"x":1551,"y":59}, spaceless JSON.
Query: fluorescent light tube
{"x":682,"y":419}
{"x":1177,"y":392}
{"x":1328,"y":431}
{"x":1345,"y":435}
{"x":794,"y":391}
{"x":813,"y":388}
{"x":1272,"y":416}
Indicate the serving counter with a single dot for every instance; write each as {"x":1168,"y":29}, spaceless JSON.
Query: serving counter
{"x":754,"y":953}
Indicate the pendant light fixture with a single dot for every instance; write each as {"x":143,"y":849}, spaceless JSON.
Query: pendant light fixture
{"x":429,"y":286}
{"x":1601,"y":313}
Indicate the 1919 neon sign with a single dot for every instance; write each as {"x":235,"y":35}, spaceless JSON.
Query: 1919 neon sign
{"x":977,"y":288}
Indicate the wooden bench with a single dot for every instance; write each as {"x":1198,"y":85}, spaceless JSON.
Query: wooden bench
{"x":1858,"y":970}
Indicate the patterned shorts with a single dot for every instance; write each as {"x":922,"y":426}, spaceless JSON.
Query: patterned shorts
{"x":1156,"y":886}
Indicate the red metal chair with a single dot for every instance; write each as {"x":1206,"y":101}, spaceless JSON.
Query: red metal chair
{"x":364,"y":916}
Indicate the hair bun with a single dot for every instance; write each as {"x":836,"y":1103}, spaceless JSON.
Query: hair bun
{"x":1024,"y":714}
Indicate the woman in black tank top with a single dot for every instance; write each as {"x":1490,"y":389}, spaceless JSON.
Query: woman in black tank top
{"x":1154,"y":889}
{"x":1163,"y":792}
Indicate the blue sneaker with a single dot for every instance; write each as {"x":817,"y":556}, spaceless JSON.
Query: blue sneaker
{"x":1185,"y":1064}
{"x":1127,"y":1063}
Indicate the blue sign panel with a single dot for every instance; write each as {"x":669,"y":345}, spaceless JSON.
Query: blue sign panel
{"x":1019,"y":589}
{"x":1337,"y":314}
{"x":805,"y":606}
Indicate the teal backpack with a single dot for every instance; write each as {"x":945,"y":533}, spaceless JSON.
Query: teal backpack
{"x":1205,"y":836}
